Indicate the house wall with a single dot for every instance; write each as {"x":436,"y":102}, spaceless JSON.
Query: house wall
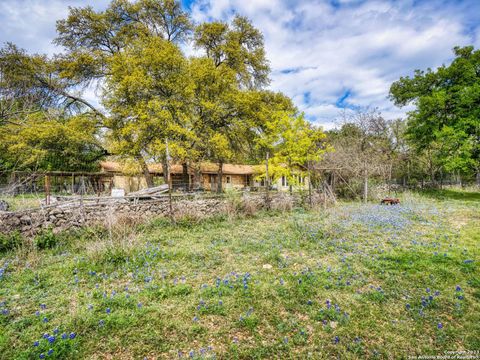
{"x":236,"y":181}
{"x":278,"y":184}
{"x":129,"y":183}
{"x":135,"y":183}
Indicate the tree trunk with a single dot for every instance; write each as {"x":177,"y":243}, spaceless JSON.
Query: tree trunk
{"x":220,"y":177}
{"x":267,"y":183}
{"x":478,"y":177}
{"x":365,"y":185}
{"x":441,"y":179}
{"x":145,"y":171}
{"x":197,"y":178}
{"x":165,"y":171}
{"x":390,"y":170}
{"x":47,"y":189}
{"x":185,"y":177}
{"x":309,"y":185}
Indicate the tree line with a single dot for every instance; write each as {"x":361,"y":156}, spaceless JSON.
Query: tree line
{"x":159,"y":104}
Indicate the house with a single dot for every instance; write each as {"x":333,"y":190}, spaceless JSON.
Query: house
{"x":234,"y":176}
{"x":204,"y":176}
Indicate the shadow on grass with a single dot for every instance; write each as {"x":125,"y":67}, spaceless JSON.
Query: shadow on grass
{"x":452,"y":194}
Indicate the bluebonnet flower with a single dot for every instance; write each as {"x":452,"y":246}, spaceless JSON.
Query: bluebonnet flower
{"x":108,"y":311}
{"x":72,"y":335}
{"x":195,"y":319}
{"x":41,"y":356}
{"x":336,"y":340}
{"x":37,"y":313}
{"x":36,"y":343}
{"x":408,"y":306}
{"x":101,"y":322}
{"x":440,"y":326}
{"x":45,"y":336}
{"x":468,"y":261}
{"x":45,"y":320}
{"x":64,"y":336}
{"x":458,"y":288}
{"x":55,"y":331}
{"x":43,"y":306}
{"x":51,"y":339}
{"x":50,"y":352}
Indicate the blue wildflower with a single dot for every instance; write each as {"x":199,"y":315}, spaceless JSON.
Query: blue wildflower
{"x":50,"y":352}
{"x":51,"y":339}
{"x":41,"y":356}
{"x":440,"y":326}
{"x":36,"y":343}
{"x":72,"y":335}
{"x":108,"y":310}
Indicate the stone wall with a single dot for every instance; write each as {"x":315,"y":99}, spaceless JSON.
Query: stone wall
{"x":58,"y":218}
{"x":63,"y":217}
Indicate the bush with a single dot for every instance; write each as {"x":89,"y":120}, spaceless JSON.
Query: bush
{"x":46,"y":240}
{"x":10,"y":241}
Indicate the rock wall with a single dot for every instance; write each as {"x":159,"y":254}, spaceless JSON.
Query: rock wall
{"x":63,"y":217}
{"x":60,"y":217}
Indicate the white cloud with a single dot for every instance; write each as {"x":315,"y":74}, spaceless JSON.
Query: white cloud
{"x":361,"y":47}
{"x":323,"y":48}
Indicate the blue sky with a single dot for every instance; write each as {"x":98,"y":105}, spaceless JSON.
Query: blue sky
{"x":328,"y":55}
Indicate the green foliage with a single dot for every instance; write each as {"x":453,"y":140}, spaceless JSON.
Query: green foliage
{"x":446,"y":121}
{"x":239,"y":46}
{"x":46,"y":239}
{"x":10,"y":241}
{"x":45,"y":142}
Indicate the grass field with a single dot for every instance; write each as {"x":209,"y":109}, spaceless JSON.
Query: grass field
{"x":352,"y":281}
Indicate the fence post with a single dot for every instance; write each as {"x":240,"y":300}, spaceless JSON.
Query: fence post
{"x":47,"y":189}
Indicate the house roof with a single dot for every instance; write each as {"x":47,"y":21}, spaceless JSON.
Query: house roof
{"x":205,"y":168}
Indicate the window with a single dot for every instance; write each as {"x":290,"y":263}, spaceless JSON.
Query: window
{"x":284,"y":181}
{"x":229,"y":179}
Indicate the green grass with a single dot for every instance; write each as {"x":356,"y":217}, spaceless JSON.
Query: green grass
{"x":22,"y":202}
{"x":346,"y":283}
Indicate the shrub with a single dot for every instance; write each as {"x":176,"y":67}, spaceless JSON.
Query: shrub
{"x":46,"y":240}
{"x":10,"y":241}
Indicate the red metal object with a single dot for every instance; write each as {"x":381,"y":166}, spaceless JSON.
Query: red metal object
{"x":390,"y":201}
